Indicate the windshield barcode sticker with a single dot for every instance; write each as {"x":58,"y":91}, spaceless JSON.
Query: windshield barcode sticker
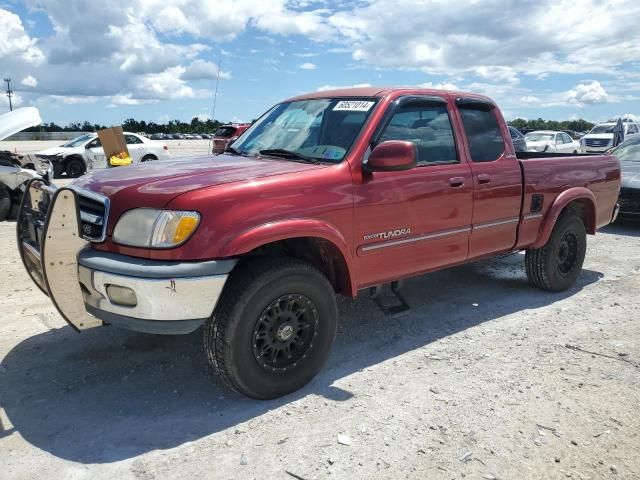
{"x":353,"y":106}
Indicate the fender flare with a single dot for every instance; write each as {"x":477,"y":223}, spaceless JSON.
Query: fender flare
{"x":559,"y":204}
{"x":264,"y":234}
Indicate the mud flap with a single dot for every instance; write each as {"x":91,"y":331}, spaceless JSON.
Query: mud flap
{"x":49,"y":245}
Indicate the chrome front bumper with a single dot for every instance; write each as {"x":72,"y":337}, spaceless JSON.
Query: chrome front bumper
{"x":170,"y":297}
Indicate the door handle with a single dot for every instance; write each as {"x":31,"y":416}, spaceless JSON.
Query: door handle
{"x":456,"y":182}
{"x":484,"y":178}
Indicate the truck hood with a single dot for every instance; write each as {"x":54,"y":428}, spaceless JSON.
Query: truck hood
{"x":154,"y":184}
{"x":630,"y":174}
{"x":18,"y":120}
{"x":598,"y":136}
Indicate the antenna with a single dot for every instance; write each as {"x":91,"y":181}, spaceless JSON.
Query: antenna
{"x":213,"y":110}
{"x":9,"y":92}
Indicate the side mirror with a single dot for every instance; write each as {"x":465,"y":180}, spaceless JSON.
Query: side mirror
{"x":392,"y":156}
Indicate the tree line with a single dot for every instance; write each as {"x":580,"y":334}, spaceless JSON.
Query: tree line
{"x":132,"y":125}
{"x":209,"y":126}
{"x":540,"y":124}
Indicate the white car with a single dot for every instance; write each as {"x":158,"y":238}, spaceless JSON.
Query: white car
{"x":600,"y":137}
{"x":551,"y":141}
{"x":13,"y":174}
{"x":85,"y":153}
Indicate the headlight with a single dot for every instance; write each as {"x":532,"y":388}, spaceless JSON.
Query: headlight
{"x":148,"y":227}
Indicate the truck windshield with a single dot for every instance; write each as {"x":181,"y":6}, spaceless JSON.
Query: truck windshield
{"x":225,"y":132}
{"x":602,"y":129}
{"x":321,"y":129}
{"x":628,"y":151}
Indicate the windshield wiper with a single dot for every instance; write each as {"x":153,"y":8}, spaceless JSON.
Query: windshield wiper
{"x":281,"y":152}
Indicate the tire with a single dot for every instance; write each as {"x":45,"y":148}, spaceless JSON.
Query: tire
{"x":148,"y":158}
{"x":58,"y":169}
{"x":556,"y":266}
{"x":252,"y":320}
{"x":75,"y":168}
{"x":5,"y":202}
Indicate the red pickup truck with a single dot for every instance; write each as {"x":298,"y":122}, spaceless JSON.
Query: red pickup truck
{"x":331,"y":192}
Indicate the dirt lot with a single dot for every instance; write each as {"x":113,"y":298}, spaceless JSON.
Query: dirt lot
{"x":486,"y":378}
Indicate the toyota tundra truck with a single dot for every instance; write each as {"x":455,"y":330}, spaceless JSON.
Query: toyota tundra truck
{"x":334,"y":192}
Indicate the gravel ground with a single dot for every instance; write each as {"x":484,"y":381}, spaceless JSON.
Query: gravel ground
{"x":487,"y":378}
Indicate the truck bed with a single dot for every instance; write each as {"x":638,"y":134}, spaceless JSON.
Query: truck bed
{"x":547,"y":175}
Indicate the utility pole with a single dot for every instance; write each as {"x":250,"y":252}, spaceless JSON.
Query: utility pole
{"x":9,"y":92}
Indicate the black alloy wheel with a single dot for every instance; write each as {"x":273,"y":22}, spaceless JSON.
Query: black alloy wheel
{"x":284,"y":333}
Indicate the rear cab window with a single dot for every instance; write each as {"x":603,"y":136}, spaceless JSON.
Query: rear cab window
{"x":483,"y":132}
{"x":225,"y":132}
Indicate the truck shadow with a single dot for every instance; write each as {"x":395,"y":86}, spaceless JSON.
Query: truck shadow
{"x":625,"y":227}
{"x":110,"y":394}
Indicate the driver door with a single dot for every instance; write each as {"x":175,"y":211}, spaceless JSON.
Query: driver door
{"x":414,"y":221}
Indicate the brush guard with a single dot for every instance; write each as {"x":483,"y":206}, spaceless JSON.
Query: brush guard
{"x":49,"y":240}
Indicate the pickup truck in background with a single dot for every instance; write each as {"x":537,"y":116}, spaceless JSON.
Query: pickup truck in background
{"x":331,"y":192}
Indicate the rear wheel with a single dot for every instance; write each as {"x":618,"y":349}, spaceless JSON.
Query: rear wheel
{"x":75,"y":168}
{"x":273,"y":327}
{"x":5,"y":202}
{"x":148,"y":158}
{"x":556,"y":265}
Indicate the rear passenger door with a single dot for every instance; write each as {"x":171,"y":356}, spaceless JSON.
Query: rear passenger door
{"x":417,"y":220}
{"x":497,"y":180}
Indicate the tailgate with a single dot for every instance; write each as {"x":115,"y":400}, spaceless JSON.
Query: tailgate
{"x":49,"y":240}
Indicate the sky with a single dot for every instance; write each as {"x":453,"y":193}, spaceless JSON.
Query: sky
{"x":157,"y":60}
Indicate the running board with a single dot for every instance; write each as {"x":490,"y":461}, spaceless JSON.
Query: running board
{"x":397,"y":307}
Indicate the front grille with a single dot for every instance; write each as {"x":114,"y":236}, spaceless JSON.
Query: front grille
{"x":93,"y":216}
{"x":596,"y":142}
{"x":630,"y":193}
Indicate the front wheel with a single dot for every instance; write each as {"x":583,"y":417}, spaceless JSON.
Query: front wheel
{"x":273,"y":327}
{"x":5,"y":202}
{"x":75,"y":168}
{"x":148,"y":158}
{"x":556,"y":265}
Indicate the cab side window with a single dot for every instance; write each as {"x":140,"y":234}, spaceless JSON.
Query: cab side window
{"x":483,"y":133}
{"x":95,"y":143}
{"x":428,"y":127}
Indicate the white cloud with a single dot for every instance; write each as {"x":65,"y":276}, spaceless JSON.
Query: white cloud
{"x":308,"y":66}
{"x":29,"y":81}
{"x":530,"y":100}
{"x":306,"y":54}
{"x":324,"y":88}
{"x":493,"y":38}
{"x":587,"y":94}
{"x":16,"y":99}
{"x":14,"y":41}
{"x":128,"y":99}
{"x":203,"y":70}
{"x":439,"y":86}
{"x":166,"y":85}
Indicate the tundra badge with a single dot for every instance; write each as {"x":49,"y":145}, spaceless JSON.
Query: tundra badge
{"x":400,"y":232}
